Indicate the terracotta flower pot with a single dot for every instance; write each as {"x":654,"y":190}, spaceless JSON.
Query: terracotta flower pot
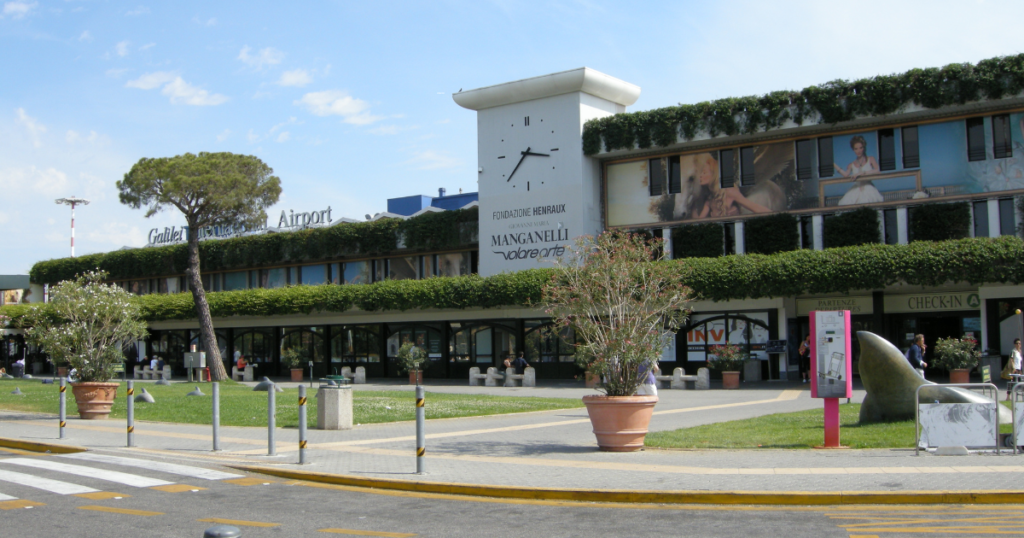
{"x":620,"y":422}
{"x":730,"y":380}
{"x":416,"y":377}
{"x":296,"y":374}
{"x":94,"y":400}
{"x":961,"y":375}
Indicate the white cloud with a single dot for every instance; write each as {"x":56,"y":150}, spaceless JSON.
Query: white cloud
{"x":431,"y":160}
{"x":115,"y":73}
{"x":74,"y":137}
{"x":141,"y":10}
{"x":208,"y":22}
{"x":284,"y":136}
{"x":147,"y":46}
{"x":252,"y":136}
{"x":295,"y":77}
{"x":18,"y":10}
{"x":224,"y":135}
{"x":30,"y":179}
{"x":118,"y":234}
{"x":265,"y":57}
{"x":338,"y":103}
{"x":291,"y":120}
{"x":392,"y":129}
{"x":34,"y":127}
{"x":179,"y":91}
{"x":85,"y":36}
{"x":122,"y":48}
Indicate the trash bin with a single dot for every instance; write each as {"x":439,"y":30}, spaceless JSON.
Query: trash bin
{"x":334,"y":407}
{"x":17,"y":370}
{"x":37,"y":368}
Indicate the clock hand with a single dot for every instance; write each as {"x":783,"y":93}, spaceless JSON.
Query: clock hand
{"x":517,"y":165}
{"x":528,"y":152}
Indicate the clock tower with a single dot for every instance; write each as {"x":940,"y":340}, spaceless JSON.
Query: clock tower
{"x":538,"y":191}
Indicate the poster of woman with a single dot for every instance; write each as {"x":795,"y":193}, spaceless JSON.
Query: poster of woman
{"x":862,"y":191}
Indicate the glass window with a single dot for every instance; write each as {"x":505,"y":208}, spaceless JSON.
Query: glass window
{"x":674,"y":178}
{"x":140,"y":287}
{"x":981,"y":219}
{"x":891,"y":225}
{"x":379,"y":269}
{"x":274,"y":278}
{"x":314,"y":275}
{"x":656,"y":176}
{"x":454,"y":264}
{"x":293,"y":276}
{"x":357,"y":272}
{"x":544,"y":343}
{"x":727,"y":164}
{"x":730,"y":238}
{"x":172,"y":284}
{"x":807,"y":232}
{"x":355,"y":343}
{"x":257,"y":346}
{"x":308,"y":341}
{"x":975,"y":139}
{"x":886,"y":149}
{"x":1007,"y":217}
{"x":482,"y":345}
{"x":826,"y":166}
{"x":407,"y":268}
{"x":804,"y":159}
{"x":238,"y":280}
{"x":1002,"y":145}
{"x":911,"y":152}
{"x":336,"y":273}
{"x":161,"y":285}
{"x":747,"y":176}
{"x":428,"y":266}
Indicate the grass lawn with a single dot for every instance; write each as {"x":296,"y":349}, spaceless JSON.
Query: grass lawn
{"x":802,"y":429}
{"x":241,"y":406}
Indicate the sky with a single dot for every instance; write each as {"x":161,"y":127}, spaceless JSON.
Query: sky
{"x":350,"y":102}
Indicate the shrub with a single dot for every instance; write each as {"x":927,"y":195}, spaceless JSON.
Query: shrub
{"x":698,"y":241}
{"x":956,"y":354}
{"x":940,"y":222}
{"x":771,"y":234}
{"x":857,"y":227}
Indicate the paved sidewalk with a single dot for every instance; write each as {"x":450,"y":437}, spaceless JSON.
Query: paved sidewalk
{"x":556,"y":449}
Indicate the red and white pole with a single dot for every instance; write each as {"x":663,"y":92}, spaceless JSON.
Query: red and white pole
{"x":73,"y":201}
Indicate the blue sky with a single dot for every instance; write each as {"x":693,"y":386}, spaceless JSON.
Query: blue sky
{"x":350,"y":102}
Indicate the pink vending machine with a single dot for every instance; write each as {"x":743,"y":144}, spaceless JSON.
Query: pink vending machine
{"x":831,"y":365}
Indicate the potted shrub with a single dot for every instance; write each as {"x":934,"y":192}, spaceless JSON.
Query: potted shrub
{"x":621,"y":304}
{"x":958,"y":356}
{"x":727,"y":359}
{"x":83,"y":326}
{"x":294,"y":359}
{"x":412,"y":359}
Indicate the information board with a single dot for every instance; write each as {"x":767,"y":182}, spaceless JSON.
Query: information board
{"x":830,"y":354}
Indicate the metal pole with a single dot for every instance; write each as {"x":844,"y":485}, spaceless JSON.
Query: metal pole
{"x":216,"y":417}
{"x":421,"y":445}
{"x":271,"y":405}
{"x":302,"y":425}
{"x":131,"y":413}
{"x":63,"y":405}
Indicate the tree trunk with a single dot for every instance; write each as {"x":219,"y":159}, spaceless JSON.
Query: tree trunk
{"x":207,"y":336}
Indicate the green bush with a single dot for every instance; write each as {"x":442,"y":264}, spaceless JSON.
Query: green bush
{"x":771,"y":234}
{"x":940,"y":222}
{"x":857,"y":227}
{"x":698,"y":241}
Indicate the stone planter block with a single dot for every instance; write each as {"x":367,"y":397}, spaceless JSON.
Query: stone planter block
{"x":334,"y":408}
{"x":703,"y":379}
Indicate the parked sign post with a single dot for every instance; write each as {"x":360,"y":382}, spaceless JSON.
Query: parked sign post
{"x":831,"y":366}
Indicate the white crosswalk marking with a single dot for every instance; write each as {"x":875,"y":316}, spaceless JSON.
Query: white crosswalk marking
{"x":7,"y":497}
{"x":53,"y":486}
{"x":99,"y":474}
{"x":172,"y":468}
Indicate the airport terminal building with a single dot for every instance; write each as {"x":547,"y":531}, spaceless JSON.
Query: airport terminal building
{"x":560,"y":157}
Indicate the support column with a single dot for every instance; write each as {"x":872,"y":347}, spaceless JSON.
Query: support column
{"x":740,"y":241}
{"x":993,"y":218}
{"x":902,"y":225}
{"x":666,"y":236}
{"x":818,"y":228}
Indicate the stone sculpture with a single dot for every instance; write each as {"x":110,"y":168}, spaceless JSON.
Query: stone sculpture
{"x":891,"y":383}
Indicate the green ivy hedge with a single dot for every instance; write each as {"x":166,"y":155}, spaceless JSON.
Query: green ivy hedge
{"x":939,"y":222}
{"x":698,"y":241}
{"x":832,"y":102}
{"x":785,"y":274}
{"x":771,"y":234}
{"x":429,"y":231}
{"x":857,"y":227}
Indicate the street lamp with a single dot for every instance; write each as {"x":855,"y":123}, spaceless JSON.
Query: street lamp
{"x":72,"y":201}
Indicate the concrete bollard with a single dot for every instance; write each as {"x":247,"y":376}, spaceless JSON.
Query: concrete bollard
{"x":216,"y":417}
{"x":421,"y":443}
{"x":271,"y":419}
{"x":63,"y":405}
{"x":302,"y":425}
{"x":131,"y":414}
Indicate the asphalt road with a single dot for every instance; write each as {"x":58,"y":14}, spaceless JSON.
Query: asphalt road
{"x":261,"y":506}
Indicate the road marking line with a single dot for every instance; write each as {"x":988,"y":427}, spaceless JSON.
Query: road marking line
{"x":90,"y":472}
{"x":250,"y":481}
{"x":163,"y":467}
{"x":863,"y":536}
{"x":354,"y":532}
{"x":177,"y":488}
{"x":45,"y":484}
{"x":7,"y":497}
{"x":150,"y":433}
{"x":127,"y":511}
{"x":102,"y":495}
{"x":238,"y":522}
{"x":11,"y":505}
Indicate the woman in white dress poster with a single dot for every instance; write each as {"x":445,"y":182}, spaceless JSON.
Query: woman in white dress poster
{"x":863,"y":191}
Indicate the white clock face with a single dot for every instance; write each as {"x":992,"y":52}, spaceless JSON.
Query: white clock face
{"x":528,"y":156}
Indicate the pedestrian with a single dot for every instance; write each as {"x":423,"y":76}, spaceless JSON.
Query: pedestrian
{"x":916,"y":353}
{"x":240,"y":361}
{"x":520,"y":364}
{"x":805,"y":359}
{"x":1015,"y":359}
{"x":648,"y":384}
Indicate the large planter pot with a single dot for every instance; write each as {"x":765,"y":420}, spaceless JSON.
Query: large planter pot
{"x":94,"y":400}
{"x":620,"y":422}
{"x":416,"y":377}
{"x":296,"y":374}
{"x":730,"y":380}
{"x":961,"y":375}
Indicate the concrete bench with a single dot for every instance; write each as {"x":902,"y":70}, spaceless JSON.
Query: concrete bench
{"x":527,"y":379}
{"x":145,"y":372}
{"x":679,"y":380}
{"x":360,"y":376}
{"x":490,"y":379}
{"x":247,"y":374}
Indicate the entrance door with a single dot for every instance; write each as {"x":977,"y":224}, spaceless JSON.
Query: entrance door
{"x":935,"y":327}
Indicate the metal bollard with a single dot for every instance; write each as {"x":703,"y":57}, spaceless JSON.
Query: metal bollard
{"x":131,"y":414}
{"x":216,"y":417}
{"x":222,"y":531}
{"x":63,"y":405}
{"x":271,"y":405}
{"x":302,"y":424}
{"x":421,"y":444}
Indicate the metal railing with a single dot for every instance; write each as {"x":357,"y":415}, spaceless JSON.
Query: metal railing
{"x":989,"y":387}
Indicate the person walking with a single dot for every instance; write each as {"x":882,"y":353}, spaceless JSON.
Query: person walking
{"x":805,"y":359}
{"x":916,"y":353}
{"x":1015,"y":359}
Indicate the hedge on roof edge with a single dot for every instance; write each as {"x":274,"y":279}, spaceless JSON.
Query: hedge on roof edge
{"x":784,"y":274}
{"x":832,"y":102}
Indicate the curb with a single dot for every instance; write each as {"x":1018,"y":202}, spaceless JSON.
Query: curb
{"x":781,"y":498}
{"x":33,"y":446}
